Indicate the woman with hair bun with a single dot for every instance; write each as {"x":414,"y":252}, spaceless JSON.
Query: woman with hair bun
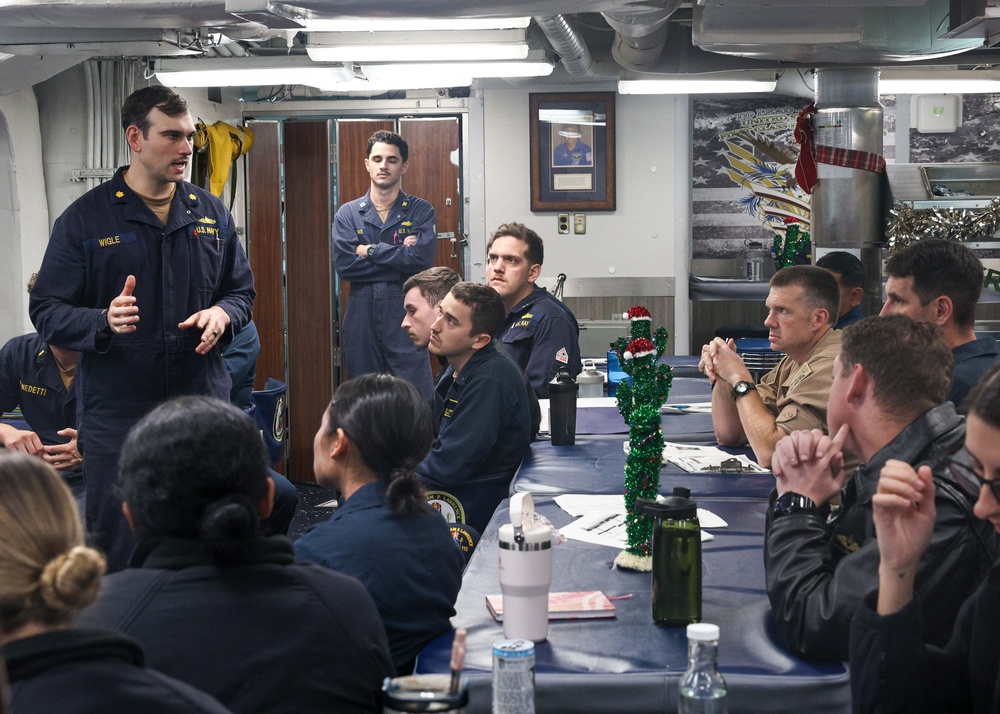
{"x":213,"y":601}
{"x":47,"y":576}
{"x":375,"y":431}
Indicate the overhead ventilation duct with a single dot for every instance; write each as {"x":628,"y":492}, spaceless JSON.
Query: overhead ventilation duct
{"x":820,"y":31}
{"x":641,"y":34}
{"x":568,"y":44}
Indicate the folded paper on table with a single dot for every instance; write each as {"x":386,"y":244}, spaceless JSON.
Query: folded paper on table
{"x":701,"y":459}
{"x":607,"y":528}
{"x":581,"y":605}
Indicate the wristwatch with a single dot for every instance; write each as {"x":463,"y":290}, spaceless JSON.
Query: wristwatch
{"x":791,"y":502}
{"x":741,"y":389}
{"x":103,"y":328}
{"x":371,"y":251}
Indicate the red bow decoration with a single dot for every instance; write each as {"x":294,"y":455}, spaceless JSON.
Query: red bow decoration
{"x":805,"y":166}
{"x":810,"y":154}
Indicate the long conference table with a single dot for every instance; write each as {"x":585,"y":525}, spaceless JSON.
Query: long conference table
{"x":628,"y":664}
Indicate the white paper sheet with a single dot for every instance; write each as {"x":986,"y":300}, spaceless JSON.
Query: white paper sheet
{"x":601,"y":519}
{"x":698,"y":459}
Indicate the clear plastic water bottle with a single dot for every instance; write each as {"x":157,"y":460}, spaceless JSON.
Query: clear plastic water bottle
{"x":703,"y":690}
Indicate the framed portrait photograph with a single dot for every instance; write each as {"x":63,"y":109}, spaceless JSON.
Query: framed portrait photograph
{"x":572,"y":151}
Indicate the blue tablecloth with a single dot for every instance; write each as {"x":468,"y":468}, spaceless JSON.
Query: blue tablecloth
{"x":596,"y":464}
{"x":628,"y":664}
{"x":592,"y":419}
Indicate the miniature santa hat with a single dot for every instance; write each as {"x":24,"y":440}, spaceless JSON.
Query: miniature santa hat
{"x":638,"y":313}
{"x":639,"y":348}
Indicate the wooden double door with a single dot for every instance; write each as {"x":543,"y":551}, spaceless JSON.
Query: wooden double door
{"x":298,"y":173}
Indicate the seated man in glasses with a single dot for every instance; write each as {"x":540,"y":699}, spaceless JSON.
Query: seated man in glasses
{"x":887,"y":402}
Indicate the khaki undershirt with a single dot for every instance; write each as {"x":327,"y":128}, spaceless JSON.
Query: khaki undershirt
{"x":159,"y":206}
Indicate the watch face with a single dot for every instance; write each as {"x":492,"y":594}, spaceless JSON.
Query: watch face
{"x":742,"y":388}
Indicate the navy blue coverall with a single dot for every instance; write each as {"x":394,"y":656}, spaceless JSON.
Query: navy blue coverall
{"x":194,"y":262}
{"x":372,"y":338}
{"x":541,"y":335}
{"x":484,"y":432}
{"x":30,"y":378}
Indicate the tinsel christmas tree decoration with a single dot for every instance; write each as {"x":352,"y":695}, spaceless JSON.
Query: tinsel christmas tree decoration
{"x":639,"y":403}
{"x":792,"y":248}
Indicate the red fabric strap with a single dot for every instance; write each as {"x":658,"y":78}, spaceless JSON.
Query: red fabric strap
{"x":849,"y":157}
{"x":810,"y":154}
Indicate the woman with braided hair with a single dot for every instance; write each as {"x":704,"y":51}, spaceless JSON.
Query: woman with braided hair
{"x":47,"y":575}
{"x":375,"y":431}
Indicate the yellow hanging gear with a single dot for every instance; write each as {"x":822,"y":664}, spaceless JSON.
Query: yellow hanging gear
{"x":225,"y":143}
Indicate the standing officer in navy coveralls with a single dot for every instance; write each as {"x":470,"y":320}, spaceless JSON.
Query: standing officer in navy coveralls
{"x":41,"y":379}
{"x":379,"y":240}
{"x":539,"y":333}
{"x":145,"y":277}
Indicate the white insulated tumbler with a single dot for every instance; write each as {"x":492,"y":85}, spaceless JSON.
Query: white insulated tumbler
{"x":525,"y":572}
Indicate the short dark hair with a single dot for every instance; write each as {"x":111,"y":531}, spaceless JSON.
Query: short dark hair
{"x":195,"y":468}
{"x":391,"y":426}
{"x":909,"y":362}
{"x":819,"y":287}
{"x":434,"y":283}
{"x":984,"y":399}
{"x":138,"y":105}
{"x":536,"y":249}
{"x":941,"y":267}
{"x":487,"y":307}
{"x":389,"y":137}
{"x":846,"y":265}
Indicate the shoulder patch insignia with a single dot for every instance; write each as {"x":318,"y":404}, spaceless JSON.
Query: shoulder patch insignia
{"x":562,"y":356}
{"x":448,"y":506}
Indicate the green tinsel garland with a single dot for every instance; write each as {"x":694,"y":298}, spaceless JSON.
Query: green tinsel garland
{"x":639,"y":404}
{"x":793,"y":248}
{"x":908,"y":224}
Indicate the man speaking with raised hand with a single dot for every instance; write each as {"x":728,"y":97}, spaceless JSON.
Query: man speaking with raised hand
{"x":145,"y":277}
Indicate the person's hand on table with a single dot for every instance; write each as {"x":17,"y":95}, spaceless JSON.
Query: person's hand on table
{"x":706,"y":365}
{"x":810,"y":463}
{"x":726,"y":363}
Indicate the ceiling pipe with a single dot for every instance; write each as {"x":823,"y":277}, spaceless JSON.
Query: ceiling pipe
{"x":641,"y":35}
{"x":568,"y":44}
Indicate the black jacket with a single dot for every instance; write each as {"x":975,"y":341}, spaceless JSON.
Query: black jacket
{"x":271,"y":635}
{"x":93,"y":672}
{"x":818,"y":570}
{"x":892,"y":670}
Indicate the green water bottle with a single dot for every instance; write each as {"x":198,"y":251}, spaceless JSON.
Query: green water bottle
{"x":676,"y":558}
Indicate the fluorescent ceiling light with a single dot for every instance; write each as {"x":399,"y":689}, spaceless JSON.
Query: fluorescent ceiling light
{"x":241,"y":72}
{"x":939,"y":86}
{"x":695,"y":85}
{"x":417,"y":46}
{"x":445,"y":70}
{"x":409,"y":24}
